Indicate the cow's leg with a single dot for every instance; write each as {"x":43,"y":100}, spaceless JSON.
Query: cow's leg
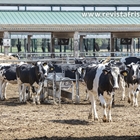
{"x":1,"y":94}
{"x":103,"y":103}
{"x":28,"y":92}
{"x":24,"y":93}
{"x":20,"y":86}
{"x":87,"y":95}
{"x":93,"y":107}
{"x":122,"y":85}
{"x":34,"y":95}
{"x":38,"y":93}
{"x":136,"y":96}
{"x":109,"y":108}
{"x":130,"y":94}
{"x":4,"y":86}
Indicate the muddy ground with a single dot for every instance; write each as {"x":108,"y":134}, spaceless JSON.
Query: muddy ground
{"x":70,"y":121}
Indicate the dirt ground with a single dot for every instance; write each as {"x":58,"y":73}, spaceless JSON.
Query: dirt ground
{"x":70,"y":121}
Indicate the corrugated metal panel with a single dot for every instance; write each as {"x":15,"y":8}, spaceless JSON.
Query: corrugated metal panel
{"x":60,"y":18}
{"x":72,"y":2}
{"x":65,"y":21}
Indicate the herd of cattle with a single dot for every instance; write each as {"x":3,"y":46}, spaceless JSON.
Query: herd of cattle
{"x":99,"y":76}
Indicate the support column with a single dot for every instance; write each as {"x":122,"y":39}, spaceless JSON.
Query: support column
{"x":52,"y":49}
{"x":76,"y":45}
{"x":29,"y":44}
{"x":138,"y":44}
{"x":25,"y":45}
{"x":6,"y":42}
{"x":132,"y":48}
{"x":93,"y":47}
{"x":81,"y":46}
{"x":112,"y":45}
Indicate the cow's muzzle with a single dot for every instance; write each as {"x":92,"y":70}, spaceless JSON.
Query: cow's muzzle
{"x":133,"y":77}
{"x":115,"y":87}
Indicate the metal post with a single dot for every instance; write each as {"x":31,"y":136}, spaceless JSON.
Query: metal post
{"x":81,"y":46}
{"x":138,"y":44}
{"x":6,"y":42}
{"x":77,"y":100}
{"x":54,"y":87}
{"x":76,"y":44}
{"x":29,"y":44}
{"x":94,"y":46}
{"x":60,"y":50}
{"x":131,"y":48}
{"x":52,"y":49}
{"x":112,"y":45}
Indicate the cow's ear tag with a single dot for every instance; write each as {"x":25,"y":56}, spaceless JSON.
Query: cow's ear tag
{"x":105,"y":72}
{"x":51,"y":68}
{"x":125,"y":74}
{"x":44,"y":64}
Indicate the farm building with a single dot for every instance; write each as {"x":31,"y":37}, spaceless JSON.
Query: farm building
{"x":76,"y":27}
{"x":92,"y":96}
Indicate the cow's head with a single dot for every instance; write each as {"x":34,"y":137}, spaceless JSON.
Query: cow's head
{"x":113,"y":74}
{"x":39,"y":71}
{"x":134,"y":71}
{"x":48,"y":67}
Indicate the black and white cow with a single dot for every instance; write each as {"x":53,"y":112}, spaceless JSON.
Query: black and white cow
{"x":33,"y":76}
{"x":7,"y":75}
{"x":122,"y":67}
{"x":132,"y":79}
{"x":128,"y":60}
{"x":100,"y":79}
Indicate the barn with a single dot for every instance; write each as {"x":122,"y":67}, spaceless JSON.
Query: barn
{"x":43,"y":31}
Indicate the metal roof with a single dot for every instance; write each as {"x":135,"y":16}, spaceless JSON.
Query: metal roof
{"x":65,"y":21}
{"x":71,"y":2}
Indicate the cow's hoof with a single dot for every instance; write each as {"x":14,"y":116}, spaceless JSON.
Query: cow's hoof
{"x":38,"y":103}
{"x":136,"y":105}
{"x":96,"y":119}
{"x":104,"y":119}
{"x":55,"y":103}
{"x":24,"y":102}
{"x":90,"y":116}
{"x":3,"y":99}
{"x":33,"y":103}
{"x":122,"y":99}
{"x":109,"y":120}
{"x":129,"y":101}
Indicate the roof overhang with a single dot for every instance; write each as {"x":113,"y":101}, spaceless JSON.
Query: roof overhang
{"x":70,"y":28}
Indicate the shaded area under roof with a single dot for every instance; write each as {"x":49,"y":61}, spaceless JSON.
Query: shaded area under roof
{"x":71,"y":2}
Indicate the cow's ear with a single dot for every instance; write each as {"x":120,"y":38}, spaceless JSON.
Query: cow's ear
{"x":45,"y":63}
{"x":124,"y":72}
{"x":52,"y":68}
{"x":106,"y":71}
{"x":129,"y":66}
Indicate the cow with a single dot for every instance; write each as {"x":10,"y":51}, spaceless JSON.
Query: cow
{"x":32,"y":75}
{"x":128,"y":60}
{"x":132,"y":79}
{"x":122,"y":67}
{"x":7,"y":75}
{"x":100,"y":79}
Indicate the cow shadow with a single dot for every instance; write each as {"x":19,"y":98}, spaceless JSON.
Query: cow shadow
{"x":71,"y":122}
{"x":12,"y":102}
{"x":87,"y":138}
